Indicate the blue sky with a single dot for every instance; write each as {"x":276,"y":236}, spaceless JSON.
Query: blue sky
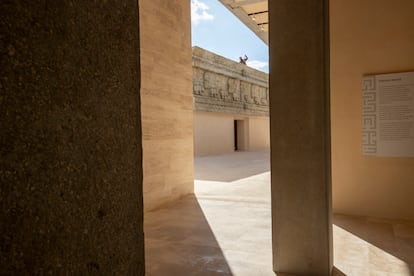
{"x":216,"y":29}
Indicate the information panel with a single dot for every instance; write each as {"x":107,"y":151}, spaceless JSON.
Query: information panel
{"x":388,"y":115}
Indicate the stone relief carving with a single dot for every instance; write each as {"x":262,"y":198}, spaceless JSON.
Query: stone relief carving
{"x":234,"y":89}
{"x":226,"y":88}
{"x":198,"y":83}
{"x":259,"y":94}
{"x":210,"y":84}
{"x":206,"y":83}
{"x":265,"y":97}
{"x":216,"y":85}
{"x":246,"y":92}
{"x":221,"y":82}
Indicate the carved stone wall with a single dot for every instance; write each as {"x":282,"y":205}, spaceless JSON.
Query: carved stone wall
{"x":223,"y":85}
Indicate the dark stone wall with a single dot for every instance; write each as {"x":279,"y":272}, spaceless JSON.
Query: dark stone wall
{"x":70,"y":144}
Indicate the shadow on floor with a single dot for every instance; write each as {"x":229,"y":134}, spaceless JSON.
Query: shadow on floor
{"x":179,"y":241}
{"x":395,"y":238}
{"x":231,"y":167}
{"x":335,"y":272}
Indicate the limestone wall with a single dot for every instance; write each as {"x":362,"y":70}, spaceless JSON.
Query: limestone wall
{"x":222,"y":85}
{"x":167,"y":101}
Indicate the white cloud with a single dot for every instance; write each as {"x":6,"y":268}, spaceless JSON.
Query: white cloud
{"x":257,"y":64}
{"x":199,"y":12}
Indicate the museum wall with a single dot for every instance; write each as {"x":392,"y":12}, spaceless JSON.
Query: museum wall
{"x":166,"y":100}
{"x":70,"y":146}
{"x":367,"y":37}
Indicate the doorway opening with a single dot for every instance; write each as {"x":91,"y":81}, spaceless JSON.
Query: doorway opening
{"x":236,"y":146}
{"x":240,"y":135}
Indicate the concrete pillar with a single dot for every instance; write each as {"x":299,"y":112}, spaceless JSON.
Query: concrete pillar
{"x":300,"y":137}
{"x":70,"y":144}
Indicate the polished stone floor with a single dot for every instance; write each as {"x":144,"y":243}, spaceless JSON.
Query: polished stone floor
{"x":225,"y":228}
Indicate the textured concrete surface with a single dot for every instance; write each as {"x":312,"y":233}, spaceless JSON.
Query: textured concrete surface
{"x":167,"y":100}
{"x":300,"y":136}
{"x":225,"y":229}
{"x":71,"y":179}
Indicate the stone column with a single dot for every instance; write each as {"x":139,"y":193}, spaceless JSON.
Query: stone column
{"x":300,"y":137}
{"x":70,"y":143}
{"x":167,"y":101}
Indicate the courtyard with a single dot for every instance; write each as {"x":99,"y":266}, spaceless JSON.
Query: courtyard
{"x":225,"y":228}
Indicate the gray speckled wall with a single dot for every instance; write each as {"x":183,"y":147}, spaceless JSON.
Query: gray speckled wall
{"x":70,"y":144}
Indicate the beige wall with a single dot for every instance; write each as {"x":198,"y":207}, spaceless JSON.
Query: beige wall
{"x":167,"y":101}
{"x":214,"y":133}
{"x":243,"y":138}
{"x":370,"y":36}
{"x":259,"y":133}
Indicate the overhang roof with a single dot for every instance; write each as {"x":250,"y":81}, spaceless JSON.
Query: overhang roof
{"x":253,"y":13}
